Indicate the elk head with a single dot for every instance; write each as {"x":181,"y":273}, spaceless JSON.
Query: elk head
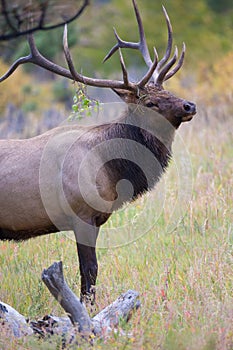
{"x":148,"y":92}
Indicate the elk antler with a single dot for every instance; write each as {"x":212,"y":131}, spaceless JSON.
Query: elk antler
{"x":160,"y":73}
{"x":114,"y":84}
{"x":158,"y":70}
{"x":38,"y":59}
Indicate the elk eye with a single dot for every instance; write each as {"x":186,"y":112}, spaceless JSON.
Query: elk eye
{"x":151,"y":104}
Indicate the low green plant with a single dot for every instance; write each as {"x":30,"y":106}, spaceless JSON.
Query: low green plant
{"x":83,"y":105}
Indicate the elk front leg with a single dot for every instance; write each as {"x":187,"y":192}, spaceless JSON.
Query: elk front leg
{"x":88,"y":269}
{"x":86,"y":236}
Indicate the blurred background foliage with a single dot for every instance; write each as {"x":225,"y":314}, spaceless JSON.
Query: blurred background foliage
{"x":206,"y":26}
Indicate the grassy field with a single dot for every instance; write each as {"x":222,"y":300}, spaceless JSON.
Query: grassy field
{"x":182,"y":270}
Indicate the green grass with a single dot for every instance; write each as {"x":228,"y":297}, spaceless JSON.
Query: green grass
{"x":183,"y":272}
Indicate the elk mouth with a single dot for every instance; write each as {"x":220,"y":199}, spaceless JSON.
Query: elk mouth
{"x":187,"y":118}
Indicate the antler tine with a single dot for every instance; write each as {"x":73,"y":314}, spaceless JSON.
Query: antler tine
{"x":150,"y":72}
{"x":38,"y":59}
{"x":124,"y":70}
{"x":141,"y":45}
{"x":120,"y":44}
{"x":114,"y":84}
{"x":21,"y":60}
{"x":160,"y":79}
{"x":169,"y":46}
{"x":14,"y":66}
{"x":111,"y":52}
{"x":178,"y":66}
{"x":169,"y":40}
{"x":76,"y":76}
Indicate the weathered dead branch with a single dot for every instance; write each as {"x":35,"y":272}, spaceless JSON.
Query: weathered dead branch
{"x":78,"y":319}
{"x":54,"y":280}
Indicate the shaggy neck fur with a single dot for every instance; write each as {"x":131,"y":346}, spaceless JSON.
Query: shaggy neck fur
{"x":151,"y":134}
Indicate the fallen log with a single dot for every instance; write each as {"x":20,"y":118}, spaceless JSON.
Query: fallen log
{"x":121,"y":309}
{"x":105,"y":321}
{"x":12,"y":322}
{"x":55,"y":282}
{"x":78,"y":319}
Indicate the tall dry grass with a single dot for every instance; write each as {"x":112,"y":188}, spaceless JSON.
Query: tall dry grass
{"x":183,"y":275}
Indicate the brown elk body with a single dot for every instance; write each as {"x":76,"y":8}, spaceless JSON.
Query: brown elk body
{"x":23,"y":211}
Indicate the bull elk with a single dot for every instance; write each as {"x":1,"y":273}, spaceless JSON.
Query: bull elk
{"x":83,"y":203}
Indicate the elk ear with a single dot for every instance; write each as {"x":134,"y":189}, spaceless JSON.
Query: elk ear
{"x":126,"y":95}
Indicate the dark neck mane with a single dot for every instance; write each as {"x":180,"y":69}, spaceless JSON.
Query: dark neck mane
{"x":141,"y":149}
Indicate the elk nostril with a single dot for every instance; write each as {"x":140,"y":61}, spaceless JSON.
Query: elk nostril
{"x":189,"y":107}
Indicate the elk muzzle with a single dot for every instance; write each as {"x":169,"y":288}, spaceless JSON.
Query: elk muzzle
{"x":189,"y":111}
